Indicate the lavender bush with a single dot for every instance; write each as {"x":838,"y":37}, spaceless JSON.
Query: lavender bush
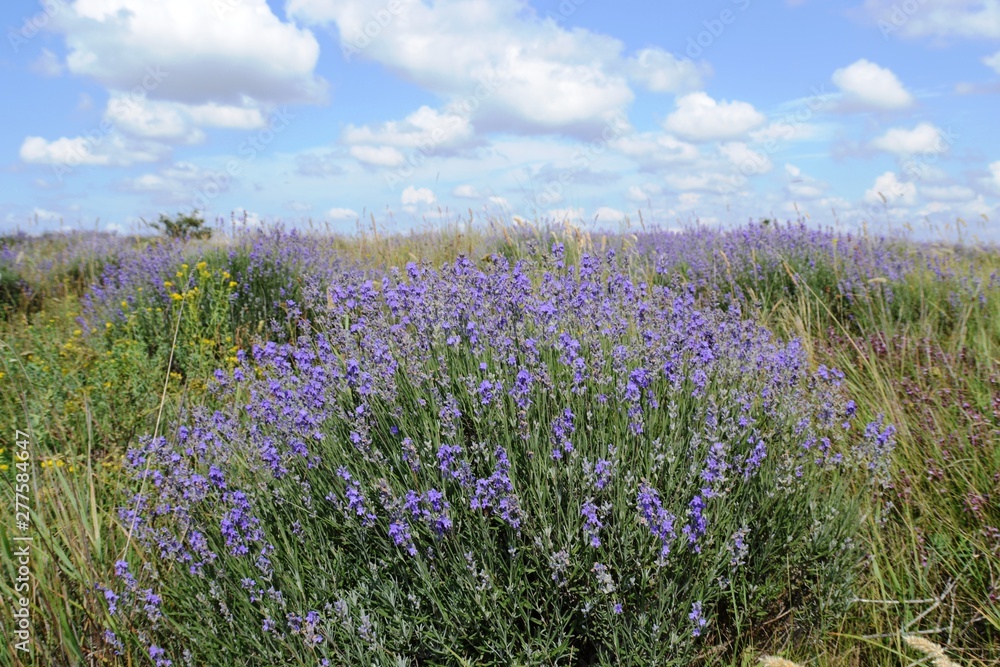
{"x":497,"y":464}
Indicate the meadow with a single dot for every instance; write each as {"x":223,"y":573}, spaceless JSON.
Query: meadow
{"x":502,"y":443}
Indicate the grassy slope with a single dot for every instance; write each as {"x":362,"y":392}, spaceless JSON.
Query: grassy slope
{"x":936,"y":378}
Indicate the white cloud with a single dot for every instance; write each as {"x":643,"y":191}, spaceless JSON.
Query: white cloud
{"x":688,"y":200}
{"x":655,"y":150}
{"x":643,"y":193}
{"x":894,"y":190}
{"x":995,"y":173}
{"x":38,"y":150}
{"x":46,"y":215}
{"x":747,"y":161}
{"x":465,"y":192}
{"x":179,"y":182}
{"x":202,"y":52}
{"x":704,"y":181}
{"x":520,"y":72}
{"x":608,"y":214}
{"x":425,"y":128}
{"x":783,"y":131}
{"x":866,"y":85}
{"x":924,"y":138}
{"x":412,"y":195}
{"x":936,"y":18}
{"x":948,"y":192}
{"x":662,"y":72}
{"x":342,"y":214}
{"x":993,"y":61}
{"x":565,"y":214}
{"x":47,"y":64}
{"x":103,"y":150}
{"x":174,"y":121}
{"x":382,"y":156}
{"x":700,"y":118}
{"x":801,"y":187}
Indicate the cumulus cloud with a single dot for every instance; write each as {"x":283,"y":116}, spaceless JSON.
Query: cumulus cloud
{"x":801,"y":187}
{"x":993,"y":62}
{"x":892,"y":189}
{"x":412,"y":195}
{"x":700,"y":118}
{"x":342,"y":214}
{"x":521,"y":73}
{"x":924,"y":138}
{"x":652,"y":150}
{"x":175,"y":122}
{"x":936,"y":18}
{"x":642,"y":193}
{"x":426,"y":129}
{"x":179,"y":182}
{"x":866,"y":85}
{"x":465,"y":192}
{"x":608,"y":214}
{"x":203,"y":57}
{"x":105,"y":150}
{"x":995,"y":174}
{"x":662,"y":72}
{"x":747,"y":161}
{"x":380,"y":156}
{"x":948,"y":192}
{"x":570,"y":214}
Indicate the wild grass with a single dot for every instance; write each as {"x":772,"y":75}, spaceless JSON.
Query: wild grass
{"x":919,"y":345}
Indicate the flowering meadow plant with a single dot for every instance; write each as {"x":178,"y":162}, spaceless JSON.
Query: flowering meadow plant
{"x":505,"y":444}
{"x":495,"y":464}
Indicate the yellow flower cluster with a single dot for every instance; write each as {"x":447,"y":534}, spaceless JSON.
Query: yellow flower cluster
{"x":56,"y":462}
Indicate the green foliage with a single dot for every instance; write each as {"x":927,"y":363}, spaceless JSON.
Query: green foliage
{"x":923,"y":350}
{"x":183,"y":226}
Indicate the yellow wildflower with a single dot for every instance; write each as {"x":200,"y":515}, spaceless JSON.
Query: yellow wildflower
{"x":168,"y":284}
{"x":201,"y":266}
{"x":77,"y":332}
{"x":232,"y":283}
{"x":176,"y":297}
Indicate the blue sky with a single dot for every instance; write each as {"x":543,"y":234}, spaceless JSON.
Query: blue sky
{"x":873,"y":112}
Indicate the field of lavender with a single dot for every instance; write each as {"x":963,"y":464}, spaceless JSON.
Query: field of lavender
{"x":503,"y":444}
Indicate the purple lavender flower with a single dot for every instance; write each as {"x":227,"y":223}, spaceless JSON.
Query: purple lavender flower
{"x":659,"y":521}
{"x":592,"y":524}
{"x":697,"y":619}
